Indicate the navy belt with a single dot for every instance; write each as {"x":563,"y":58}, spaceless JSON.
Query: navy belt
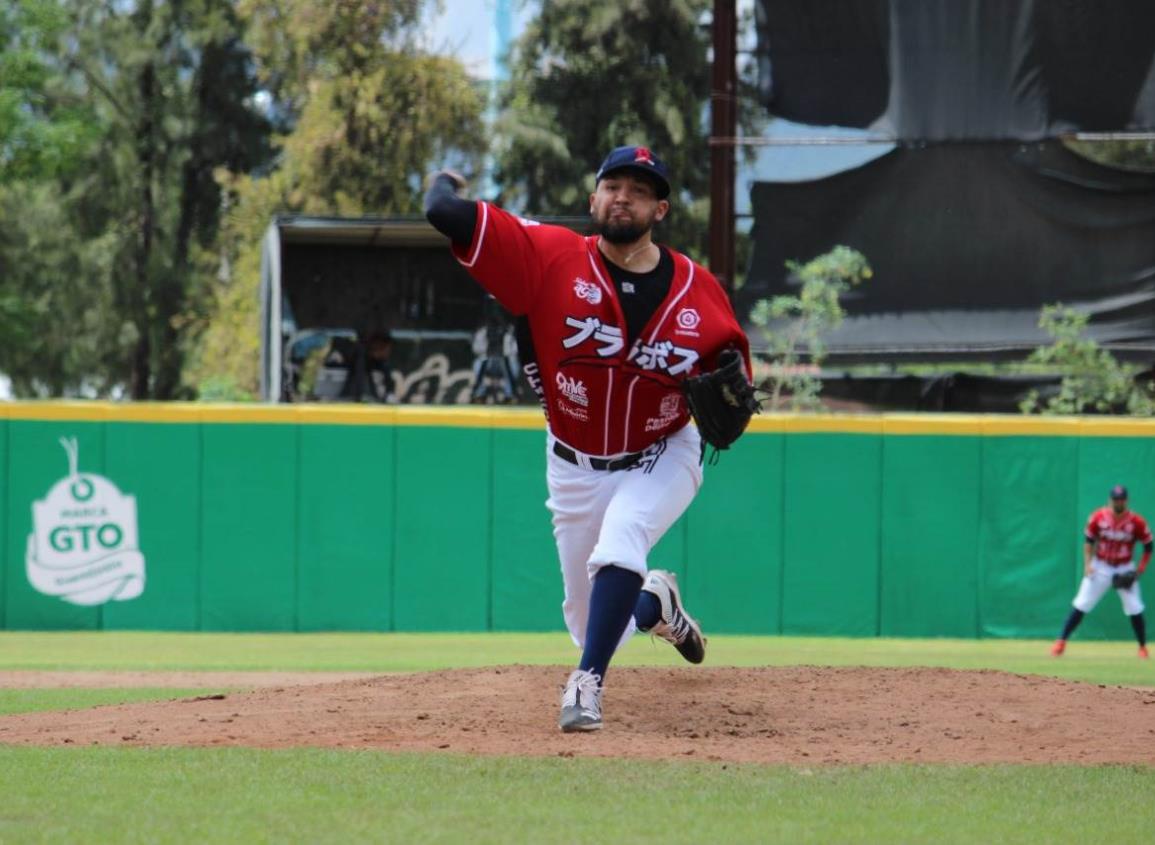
{"x":608,"y":465}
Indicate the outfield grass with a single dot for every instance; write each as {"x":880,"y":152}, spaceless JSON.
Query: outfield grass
{"x":1099,"y":662}
{"x":29,"y":700}
{"x":238,"y":795}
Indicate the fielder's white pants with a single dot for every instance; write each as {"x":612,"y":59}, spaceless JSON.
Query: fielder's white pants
{"x":1096,"y":585}
{"x":614,"y":518}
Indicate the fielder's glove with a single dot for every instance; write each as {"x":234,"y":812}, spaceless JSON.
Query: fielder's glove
{"x":722,"y":401}
{"x":1123,"y":580}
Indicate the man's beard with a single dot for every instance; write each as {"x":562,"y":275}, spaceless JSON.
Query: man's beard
{"x":1118,"y":508}
{"x":621,"y":233}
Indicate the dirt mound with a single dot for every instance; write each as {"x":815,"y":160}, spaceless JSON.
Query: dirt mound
{"x":793,"y":715}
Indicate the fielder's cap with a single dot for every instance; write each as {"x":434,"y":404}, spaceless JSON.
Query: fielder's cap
{"x":1118,"y":492}
{"x":642,"y":160}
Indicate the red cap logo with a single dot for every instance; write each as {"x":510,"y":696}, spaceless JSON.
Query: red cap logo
{"x":643,"y":156}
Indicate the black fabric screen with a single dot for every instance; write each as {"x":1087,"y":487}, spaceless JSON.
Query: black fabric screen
{"x":371,"y":288}
{"x":968,"y":242}
{"x":940,"y":70}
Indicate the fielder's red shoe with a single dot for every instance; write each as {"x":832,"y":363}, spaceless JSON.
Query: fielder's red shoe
{"x":1143,"y":652}
{"x":1058,"y":648}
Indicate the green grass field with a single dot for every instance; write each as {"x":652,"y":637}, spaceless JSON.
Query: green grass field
{"x":240,"y":795}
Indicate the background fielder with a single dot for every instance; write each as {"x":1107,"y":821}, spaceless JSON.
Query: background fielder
{"x":1108,"y":561}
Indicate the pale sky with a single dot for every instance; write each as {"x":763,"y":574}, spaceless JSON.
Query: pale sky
{"x":464,"y":28}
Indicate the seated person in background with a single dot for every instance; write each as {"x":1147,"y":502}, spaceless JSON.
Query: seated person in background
{"x":370,"y":374}
{"x":334,"y":377}
{"x":379,"y":381}
{"x":495,"y":359}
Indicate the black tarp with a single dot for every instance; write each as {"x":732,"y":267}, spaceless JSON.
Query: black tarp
{"x":938,"y":70}
{"x":957,"y":392}
{"x":370,"y":288}
{"x":948,"y":393}
{"x":967,"y":243}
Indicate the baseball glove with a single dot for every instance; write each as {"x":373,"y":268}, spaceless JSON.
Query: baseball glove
{"x":722,"y":401}
{"x":1123,"y":580}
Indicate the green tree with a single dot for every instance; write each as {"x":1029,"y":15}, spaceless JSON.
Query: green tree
{"x":45,"y":124}
{"x":167,"y":88}
{"x":588,"y":76}
{"x":176,"y":81}
{"x":55,"y":300}
{"x":1128,"y":154}
{"x":1093,"y":380}
{"x":366,"y":114}
{"x":796,"y":326}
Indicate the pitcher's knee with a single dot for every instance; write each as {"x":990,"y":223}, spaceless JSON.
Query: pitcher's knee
{"x":635,"y":564}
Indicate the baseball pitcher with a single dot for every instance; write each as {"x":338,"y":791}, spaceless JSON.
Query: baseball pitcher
{"x":631,"y":338}
{"x":1108,"y":561}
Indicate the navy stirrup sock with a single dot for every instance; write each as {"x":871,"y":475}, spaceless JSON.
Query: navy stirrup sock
{"x":612,"y":602}
{"x":1072,"y":623}
{"x":648,"y":611}
{"x":1139,"y":627}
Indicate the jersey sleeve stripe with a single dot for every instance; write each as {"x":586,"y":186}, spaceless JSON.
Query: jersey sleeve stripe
{"x":629,"y":412}
{"x":609,"y":402}
{"x":597,"y":272}
{"x":480,"y":237}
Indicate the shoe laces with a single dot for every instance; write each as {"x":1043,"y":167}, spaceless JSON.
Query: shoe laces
{"x":676,"y":630}
{"x":583,"y":689}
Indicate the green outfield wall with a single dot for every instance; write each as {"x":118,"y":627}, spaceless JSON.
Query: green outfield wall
{"x":293,"y":518}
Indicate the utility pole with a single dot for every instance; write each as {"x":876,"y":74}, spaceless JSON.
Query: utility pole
{"x":723,"y":129}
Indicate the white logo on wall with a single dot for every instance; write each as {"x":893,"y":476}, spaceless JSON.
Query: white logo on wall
{"x":83,"y":547}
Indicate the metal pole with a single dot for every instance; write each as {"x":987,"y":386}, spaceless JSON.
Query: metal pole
{"x":723,"y":124}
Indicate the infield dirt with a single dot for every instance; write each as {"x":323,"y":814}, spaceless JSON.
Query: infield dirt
{"x":796,"y":715}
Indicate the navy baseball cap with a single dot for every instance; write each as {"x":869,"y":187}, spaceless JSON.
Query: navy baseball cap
{"x":1118,"y":492}
{"x":640,"y":159}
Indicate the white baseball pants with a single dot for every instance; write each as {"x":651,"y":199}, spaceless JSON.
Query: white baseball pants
{"x":1094,"y":586}
{"x":614,"y":518}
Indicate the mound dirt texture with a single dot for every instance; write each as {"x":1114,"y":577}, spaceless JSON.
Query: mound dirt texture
{"x":797,"y":715}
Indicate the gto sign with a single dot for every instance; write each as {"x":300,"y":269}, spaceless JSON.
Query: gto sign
{"x":83,"y":547}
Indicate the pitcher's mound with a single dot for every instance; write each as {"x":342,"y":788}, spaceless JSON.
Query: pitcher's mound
{"x":799,"y":715}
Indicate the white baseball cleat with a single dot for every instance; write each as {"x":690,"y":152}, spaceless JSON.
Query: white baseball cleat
{"x":676,"y":626}
{"x":581,"y":702}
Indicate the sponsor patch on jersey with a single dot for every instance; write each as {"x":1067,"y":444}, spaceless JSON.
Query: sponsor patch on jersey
{"x":588,"y":291}
{"x":573,"y":389}
{"x":668,"y":411}
{"x":688,"y":319}
{"x":577,"y":413}
{"x":686,"y":322}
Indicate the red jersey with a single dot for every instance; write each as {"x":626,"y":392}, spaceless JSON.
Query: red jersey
{"x":602,"y":397}
{"x":1115,"y":537}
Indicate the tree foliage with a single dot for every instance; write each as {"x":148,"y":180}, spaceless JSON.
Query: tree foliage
{"x":1093,"y":380}
{"x":165,"y":90}
{"x":588,"y":76}
{"x":45,"y":123}
{"x":1125,"y":154}
{"x":796,"y":326}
